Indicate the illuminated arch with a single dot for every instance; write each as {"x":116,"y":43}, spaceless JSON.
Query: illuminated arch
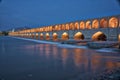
{"x":67,"y":26}
{"x":95,"y":24}
{"x":63,"y":27}
{"x":47,"y":36}
{"x":41,"y":29}
{"x":82,"y":25}
{"x":78,"y":36}
{"x":51,"y":28}
{"x":59,"y":27}
{"x":99,"y":36}
{"x":47,"y":28}
{"x":32,"y":35}
{"x":119,"y":37}
{"x":119,"y":22}
{"x":71,"y":26}
{"x":77,"y":26}
{"x":56,"y":27}
{"x":65,"y":36}
{"x":55,"y":36}
{"x":88,"y":25}
{"x":113,"y":22}
{"x":36,"y":35}
{"x":41,"y":36}
{"x":103,"y":23}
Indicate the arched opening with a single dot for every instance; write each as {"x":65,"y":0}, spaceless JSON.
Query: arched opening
{"x":76,"y":26}
{"x":95,"y":24}
{"x":119,"y":37}
{"x":29,"y":36}
{"x":119,"y":22}
{"x":82,"y":25}
{"x":47,"y":36}
{"x":88,"y":25}
{"x":65,"y":36}
{"x":36,"y":35}
{"x":63,"y":27}
{"x":53,"y":28}
{"x":99,"y":36}
{"x":71,"y":26}
{"x":50,"y":28}
{"x":67,"y":27}
{"x":78,"y":36}
{"x":55,"y":36}
{"x":59,"y":26}
{"x":113,"y":22}
{"x":41,"y":36}
{"x":32,"y":35}
{"x":56,"y":27}
{"x":103,"y":23}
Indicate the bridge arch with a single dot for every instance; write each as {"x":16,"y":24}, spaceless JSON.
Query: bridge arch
{"x":82,"y":25}
{"x":47,"y":36}
{"x":78,"y":36}
{"x":67,"y":27}
{"x":41,"y":36}
{"x":71,"y":26}
{"x":65,"y":36}
{"x":59,"y":26}
{"x":63,"y":26}
{"x":103,"y":23}
{"x":37,"y":35}
{"x":119,"y":37}
{"x":95,"y":24}
{"x":88,"y":25}
{"x":51,"y":28}
{"x":99,"y":36}
{"x":55,"y":36}
{"x":113,"y":22}
{"x":76,"y":26}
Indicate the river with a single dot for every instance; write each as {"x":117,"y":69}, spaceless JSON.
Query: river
{"x":31,"y":60}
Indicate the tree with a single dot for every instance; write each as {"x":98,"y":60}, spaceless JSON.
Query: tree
{"x":5,"y":33}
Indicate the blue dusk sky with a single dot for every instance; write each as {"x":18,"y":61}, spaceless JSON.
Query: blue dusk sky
{"x":36,"y":13}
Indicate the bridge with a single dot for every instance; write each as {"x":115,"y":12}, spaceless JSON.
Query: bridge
{"x":96,"y":29}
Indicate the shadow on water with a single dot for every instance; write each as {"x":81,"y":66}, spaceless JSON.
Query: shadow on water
{"x":25,"y":60}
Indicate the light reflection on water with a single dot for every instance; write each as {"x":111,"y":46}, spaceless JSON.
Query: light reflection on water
{"x":82,"y":60}
{"x":51,"y":62}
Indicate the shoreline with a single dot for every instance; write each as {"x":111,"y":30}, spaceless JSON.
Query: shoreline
{"x":115,"y":50}
{"x":113,"y":74}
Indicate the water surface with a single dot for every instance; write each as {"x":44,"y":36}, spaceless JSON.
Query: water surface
{"x":28,"y":60}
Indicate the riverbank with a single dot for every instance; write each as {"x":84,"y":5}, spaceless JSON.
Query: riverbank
{"x":113,"y":74}
{"x":73,"y":45}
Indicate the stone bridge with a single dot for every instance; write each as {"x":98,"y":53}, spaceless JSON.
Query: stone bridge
{"x":97,"y":29}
